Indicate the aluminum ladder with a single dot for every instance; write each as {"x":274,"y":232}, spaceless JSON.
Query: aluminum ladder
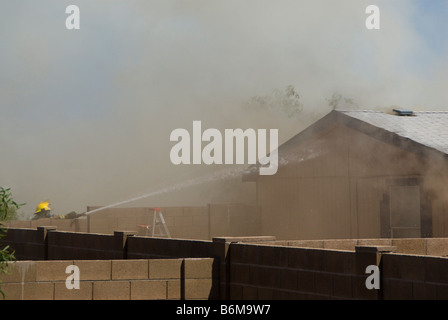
{"x":158,"y":227}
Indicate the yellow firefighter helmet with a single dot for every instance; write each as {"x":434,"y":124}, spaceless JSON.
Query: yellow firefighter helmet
{"x":43,"y":206}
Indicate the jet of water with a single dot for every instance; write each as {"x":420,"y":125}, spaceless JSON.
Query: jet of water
{"x":219,"y":175}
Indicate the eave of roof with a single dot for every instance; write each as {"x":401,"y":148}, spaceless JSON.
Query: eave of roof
{"x":379,"y":125}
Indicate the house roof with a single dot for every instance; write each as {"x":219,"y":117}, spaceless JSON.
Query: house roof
{"x":428,"y":128}
{"x":421,"y":132}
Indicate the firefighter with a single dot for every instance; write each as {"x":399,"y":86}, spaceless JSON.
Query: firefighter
{"x":43,"y":210}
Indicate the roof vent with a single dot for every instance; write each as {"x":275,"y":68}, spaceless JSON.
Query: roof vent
{"x":401,"y":112}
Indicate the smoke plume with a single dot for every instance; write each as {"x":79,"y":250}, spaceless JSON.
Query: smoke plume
{"x":86,"y":114}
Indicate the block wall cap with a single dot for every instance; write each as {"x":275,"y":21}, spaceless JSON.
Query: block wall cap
{"x":373,"y":249}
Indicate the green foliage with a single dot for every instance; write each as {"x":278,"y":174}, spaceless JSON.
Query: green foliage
{"x":8,"y":208}
{"x":285,"y":101}
{"x":338,"y":101}
{"x":6,"y":255}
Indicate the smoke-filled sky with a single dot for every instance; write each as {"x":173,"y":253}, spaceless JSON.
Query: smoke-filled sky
{"x":86,"y":115}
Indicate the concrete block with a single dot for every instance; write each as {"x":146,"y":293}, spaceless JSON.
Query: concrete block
{"x":52,"y":270}
{"x":237,"y":254}
{"x":288,"y":295}
{"x":316,"y":296}
{"x":397,"y":289}
{"x":245,"y":239}
{"x":59,"y":253}
{"x":19,"y":271}
{"x":403,"y":267}
{"x":304,"y":258}
{"x":289,"y":279}
{"x":111,"y":290}
{"x":195,"y":211}
{"x":38,"y":291}
{"x":249,"y":293}
{"x":20,"y":224}
{"x":98,"y":224}
{"x":365,"y":259}
{"x":372,"y":249}
{"x":200,"y":289}
{"x":274,"y":255}
{"x":99,"y":242}
{"x":281,"y":295}
{"x":339,"y":261}
{"x":31,"y":251}
{"x":340,"y":244}
{"x":307,"y":243}
{"x":436,"y":269}
{"x":200,"y":268}
{"x":83,"y":293}
{"x":236,"y":292}
{"x":437,"y":247}
{"x":165,"y":268}
{"x":342,"y":286}
{"x":323,"y":283}
{"x":168,"y":220}
{"x":280,"y":243}
{"x":442,"y":292}
{"x":183,"y":221}
{"x":200,"y":220}
{"x":305,"y":281}
{"x":196,"y":232}
{"x":137,"y":246}
{"x":239,"y":273}
{"x":81,"y":225}
{"x":126,"y":223}
{"x":13,"y":291}
{"x":174,"y":289}
{"x":94,"y":269}
{"x":40,"y":222}
{"x":129,"y":269}
{"x":265,"y":294}
{"x":148,"y":290}
{"x":172,"y":211}
{"x":266,"y":277}
{"x":374,"y":242}
{"x":424,"y":291}
{"x":360,"y":291}
{"x":410,"y":246}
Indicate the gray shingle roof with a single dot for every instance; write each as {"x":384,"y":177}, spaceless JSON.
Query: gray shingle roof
{"x":429,"y":128}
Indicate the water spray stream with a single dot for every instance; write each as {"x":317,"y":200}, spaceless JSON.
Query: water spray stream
{"x":218,"y":175}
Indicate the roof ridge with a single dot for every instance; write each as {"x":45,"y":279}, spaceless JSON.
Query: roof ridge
{"x":364,"y":110}
{"x":379,"y":111}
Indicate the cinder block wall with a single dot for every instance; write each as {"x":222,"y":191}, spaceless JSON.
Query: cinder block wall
{"x":414,"y":277}
{"x":27,"y":243}
{"x":419,"y":246}
{"x":202,"y":223}
{"x":77,"y":225}
{"x":155,"y":279}
{"x":268,"y":272}
{"x":47,"y":243}
{"x":248,"y":267}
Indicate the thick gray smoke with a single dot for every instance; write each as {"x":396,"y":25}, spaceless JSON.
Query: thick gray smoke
{"x":85,"y":115}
